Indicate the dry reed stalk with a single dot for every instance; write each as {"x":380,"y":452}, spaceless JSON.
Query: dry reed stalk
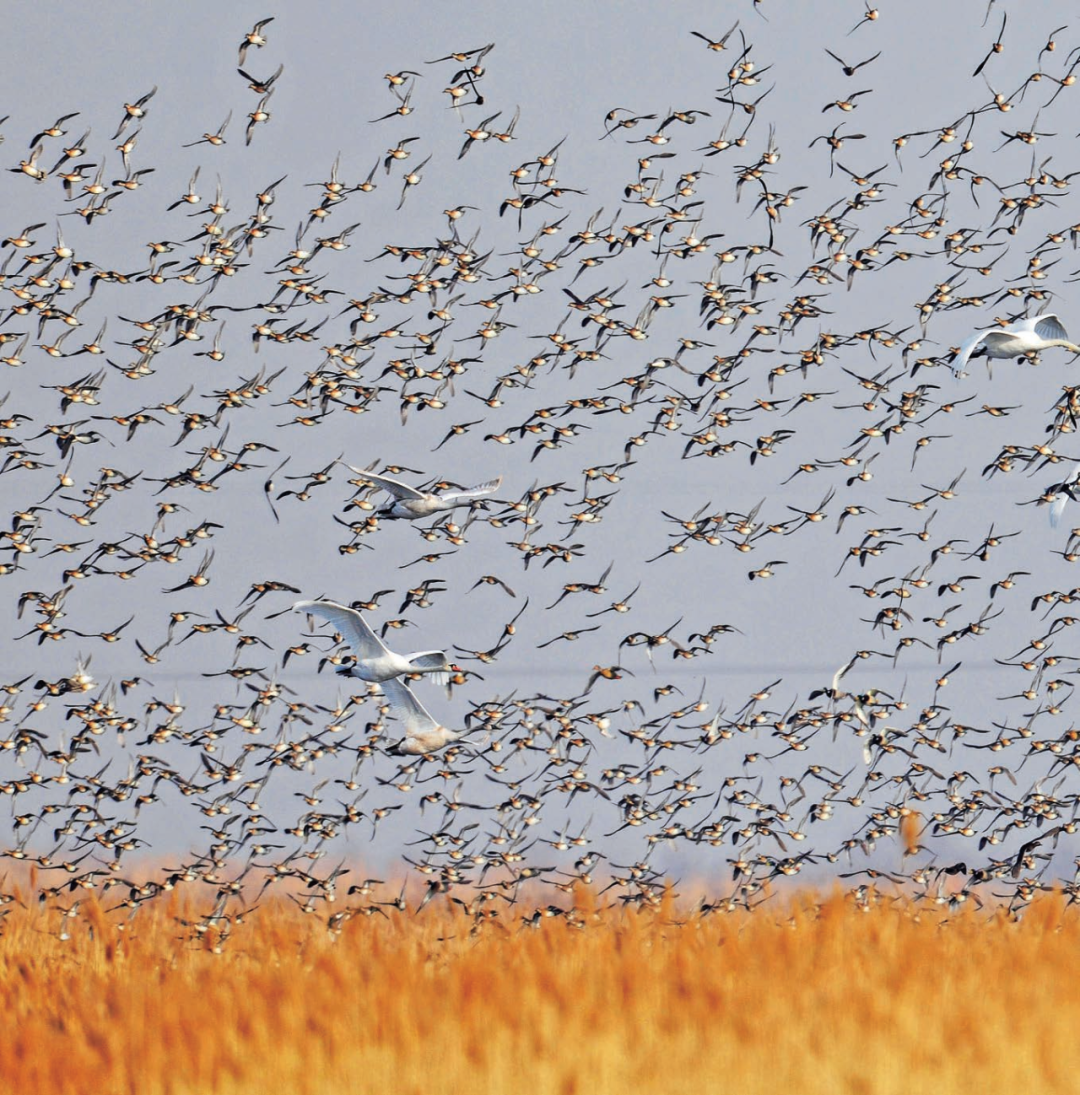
{"x":820,"y":995}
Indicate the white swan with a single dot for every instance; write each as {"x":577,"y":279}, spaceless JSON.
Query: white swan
{"x":1063,"y":491}
{"x":1022,"y":337}
{"x":410,"y":503}
{"x":374,"y":660}
{"x":422,"y":733}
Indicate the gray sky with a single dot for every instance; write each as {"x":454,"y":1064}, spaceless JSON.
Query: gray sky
{"x":565,"y":67}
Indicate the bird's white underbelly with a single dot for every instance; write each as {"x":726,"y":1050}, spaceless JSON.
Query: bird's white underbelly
{"x":382,"y":668}
{"x":417,"y":507}
{"x":427,"y":741}
{"x":1007,"y":347}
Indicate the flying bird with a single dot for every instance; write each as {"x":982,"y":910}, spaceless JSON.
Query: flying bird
{"x":375,"y":662}
{"x":422,"y":733}
{"x":1025,"y":336}
{"x":410,"y":503}
{"x":1061,"y":492}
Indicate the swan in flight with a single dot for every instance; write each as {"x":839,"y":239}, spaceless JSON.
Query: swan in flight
{"x":375,"y":662}
{"x":1062,"y":492}
{"x":422,"y":733}
{"x":410,"y":503}
{"x":1025,"y":336}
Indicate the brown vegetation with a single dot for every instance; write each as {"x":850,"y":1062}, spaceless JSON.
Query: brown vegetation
{"x":830,"y":995}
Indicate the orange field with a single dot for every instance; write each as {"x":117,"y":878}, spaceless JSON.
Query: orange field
{"x":818,"y":995}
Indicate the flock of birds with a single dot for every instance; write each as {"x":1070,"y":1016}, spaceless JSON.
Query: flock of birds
{"x":676,"y":323}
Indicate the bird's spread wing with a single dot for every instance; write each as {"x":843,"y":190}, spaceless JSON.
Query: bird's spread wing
{"x":839,"y":675}
{"x":1049,"y":327}
{"x":473,"y":492}
{"x":392,"y":486}
{"x":433,"y":659}
{"x":967,"y":348}
{"x":406,"y":708}
{"x":995,"y":339}
{"x":363,"y":642}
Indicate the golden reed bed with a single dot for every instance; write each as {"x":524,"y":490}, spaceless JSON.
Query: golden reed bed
{"x":815,"y":995}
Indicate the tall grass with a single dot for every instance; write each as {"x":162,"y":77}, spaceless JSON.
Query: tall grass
{"x":821,"y":995}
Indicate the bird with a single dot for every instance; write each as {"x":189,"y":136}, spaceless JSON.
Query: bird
{"x":259,"y":115}
{"x":375,"y":662}
{"x":1068,"y":488}
{"x":1025,"y":336}
{"x":217,"y":138}
{"x":253,"y":37}
{"x":262,"y":86}
{"x":423,"y":734}
{"x":849,"y":69}
{"x":410,"y":503}
{"x":54,"y":130}
{"x":716,"y":44}
{"x":134,"y":111}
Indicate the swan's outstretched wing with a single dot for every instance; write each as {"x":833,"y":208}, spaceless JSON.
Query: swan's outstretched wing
{"x":363,"y":642}
{"x":407,"y":709}
{"x":1065,"y":490}
{"x":1049,"y":327}
{"x":839,"y":675}
{"x":434,"y":660}
{"x":959,"y":366}
{"x":391,"y":486}
{"x":473,"y":492}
